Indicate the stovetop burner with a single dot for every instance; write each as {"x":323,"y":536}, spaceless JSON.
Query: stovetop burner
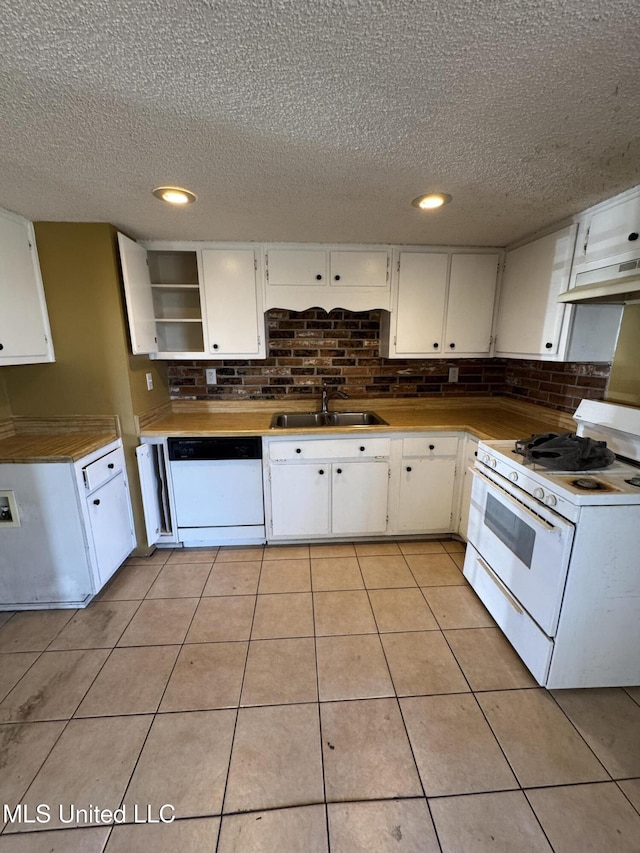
{"x":634,"y":481}
{"x":590,"y":484}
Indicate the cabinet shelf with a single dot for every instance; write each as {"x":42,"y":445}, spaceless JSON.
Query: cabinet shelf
{"x":176,"y":286}
{"x":179,"y":320}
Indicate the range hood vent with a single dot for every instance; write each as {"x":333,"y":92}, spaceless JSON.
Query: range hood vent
{"x":618,"y":283}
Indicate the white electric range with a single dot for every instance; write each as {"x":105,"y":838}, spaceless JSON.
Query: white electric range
{"x":555,"y":556}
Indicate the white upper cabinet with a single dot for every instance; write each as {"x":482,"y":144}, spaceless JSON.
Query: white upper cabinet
{"x":235,"y":317}
{"x":612,"y":232}
{"x":530,"y":321}
{"x":305,"y":276}
{"x":443,"y":305}
{"x":139,"y":299}
{"x":25,"y":336}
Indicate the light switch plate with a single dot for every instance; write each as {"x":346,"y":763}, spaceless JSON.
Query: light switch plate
{"x":453,"y":374}
{"x":8,"y":510}
{"x":149,"y":381}
{"x":210,"y":373}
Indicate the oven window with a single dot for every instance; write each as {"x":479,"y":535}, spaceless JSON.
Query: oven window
{"x":511,"y":530}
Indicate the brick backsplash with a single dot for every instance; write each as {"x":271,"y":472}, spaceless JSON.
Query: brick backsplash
{"x":341,"y":348}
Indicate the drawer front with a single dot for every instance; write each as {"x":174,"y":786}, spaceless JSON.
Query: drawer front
{"x":430,"y":445}
{"x":327,"y":448}
{"x":103,"y":469}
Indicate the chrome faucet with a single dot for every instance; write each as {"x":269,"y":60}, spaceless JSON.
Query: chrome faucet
{"x":327,"y":393}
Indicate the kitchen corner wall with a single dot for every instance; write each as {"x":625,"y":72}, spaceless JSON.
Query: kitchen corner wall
{"x":341,"y":348}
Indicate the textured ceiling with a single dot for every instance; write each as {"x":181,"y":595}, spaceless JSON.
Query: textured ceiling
{"x":318,"y":120}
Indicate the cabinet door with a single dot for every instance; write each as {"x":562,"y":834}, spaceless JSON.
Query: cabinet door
{"x":297,"y":267}
{"x":25,"y":337}
{"x":472,"y":290}
{"x":359,"y":269}
{"x":300,"y":496}
{"x":422,"y":289}
{"x":614,"y":232}
{"x":360,"y":497}
{"x":139,"y":299}
{"x":111,"y":529}
{"x":426,"y":495}
{"x":529,"y":318}
{"x":231,"y":303}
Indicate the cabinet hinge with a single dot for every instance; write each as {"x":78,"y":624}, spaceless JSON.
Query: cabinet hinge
{"x":398,"y":265}
{"x":255,"y":264}
{"x":30,"y":244}
{"x":586,"y":240}
{"x":395,"y":340}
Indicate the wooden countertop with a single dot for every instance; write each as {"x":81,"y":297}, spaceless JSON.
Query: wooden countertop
{"x":55,"y":439}
{"x":488,"y":418}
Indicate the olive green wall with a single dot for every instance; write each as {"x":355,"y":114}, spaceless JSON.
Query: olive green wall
{"x":5,"y":407}
{"x":624,"y":382}
{"x":94,"y":372}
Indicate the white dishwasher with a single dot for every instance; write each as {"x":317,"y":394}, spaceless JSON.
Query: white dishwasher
{"x":217,"y":489}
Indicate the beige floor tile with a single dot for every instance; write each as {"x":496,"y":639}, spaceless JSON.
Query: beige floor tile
{"x":401,"y":610}
{"x":609,"y":720}
{"x":233,"y":579}
{"x":631,"y":788}
{"x":89,"y":765}
{"x":184,"y":762}
{"x":457,"y":607}
{"x":488,"y":823}
{"x":5,"y":615}
{"x":23,"y":750}
{"x":422,"y":546}
{"x":100,"y":625}
{"x":421,"y":662}
{"x":367,"y":549}
{"x":160,"y":622}
{"x":540,"y":743}
{"x":207,"y":676}
{"x":385,"y":572}
{"x":458,"y":559}
{"x":283,"y":615}
{"x":158,"y":558}
{"x":301,"y":829}
{"x":336,"y":549}
{"x":280,"y":672}
{"x":197,"y":835}
{"x":193,"y":555}
{"x":343,"y":613}
{"x":452,"y":546}
{"x":130,"y":583}
{"x":488,"y":659}
{"x":54,"y":686}
{"x":12,"y":668}
{"x":83,"y":840}
{"x":352,"y":667}
{"x":366,"y":751}
{"x":236,"y":554}
{"x":180,"y":580}
{"x":587,"y":818}
{"x":383,"y":826}
{"x":131,"y":682}
{"x":285,"y":576}
{"x":634,"y":692}
{"x":435,"y":570}
{"x":286,"y":552}
{"x":335,"y":573}
{"x":32,"y":630}
{"x":454,"y":747}
{"x":222,"y":619}
{"x":276,"y":759}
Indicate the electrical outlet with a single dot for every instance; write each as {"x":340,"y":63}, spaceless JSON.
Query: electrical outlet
{"x":8,"y":510}
{"x":149,"y":382}
{"x":210,"y":373}
{"x":453,"y":374}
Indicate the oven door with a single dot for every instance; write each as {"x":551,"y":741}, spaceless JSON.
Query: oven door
{"x":527,"y":546}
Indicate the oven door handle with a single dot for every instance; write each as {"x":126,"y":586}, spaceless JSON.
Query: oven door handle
{"x":519,"y":505}
{"x":512,"y":601}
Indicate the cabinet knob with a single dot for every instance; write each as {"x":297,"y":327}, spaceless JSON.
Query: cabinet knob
{"x":321,"y":471}
{"x":408,"y":467}
{"x":318,"y":277}
{"x":1,"y":346}
{"x":452,"y":346}
{"x":298,"y":450}
{"x":215,"y":346}
{"x":338,"y":470}
{"x":97,"y":501}
{"x":633,"y":236}
{"x":337,"y":277}
{"x":111,"y":465}
{"x":432,"y":447}
{"x":435,"y":346}
{"x":362,"y":448}
{"x":548,"y":345}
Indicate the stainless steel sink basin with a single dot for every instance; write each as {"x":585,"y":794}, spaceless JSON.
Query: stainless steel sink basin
{"x":305,"y":420}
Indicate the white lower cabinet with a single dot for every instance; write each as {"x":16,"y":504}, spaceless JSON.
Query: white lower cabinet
{"x":465,"y":481}
{"x":327,"y":487}
{"x":426,"y":484}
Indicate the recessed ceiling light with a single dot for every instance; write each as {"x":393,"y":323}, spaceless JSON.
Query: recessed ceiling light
{"x":174,"y":195}
{"x":431,"y":201}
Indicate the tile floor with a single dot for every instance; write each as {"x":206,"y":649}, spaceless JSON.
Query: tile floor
{"x":302,"y":698}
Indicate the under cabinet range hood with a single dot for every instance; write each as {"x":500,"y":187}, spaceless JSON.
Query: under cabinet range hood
{"x":618,"y":283}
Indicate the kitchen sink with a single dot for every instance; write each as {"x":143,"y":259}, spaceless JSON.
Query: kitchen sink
{"x":305,"y":420}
